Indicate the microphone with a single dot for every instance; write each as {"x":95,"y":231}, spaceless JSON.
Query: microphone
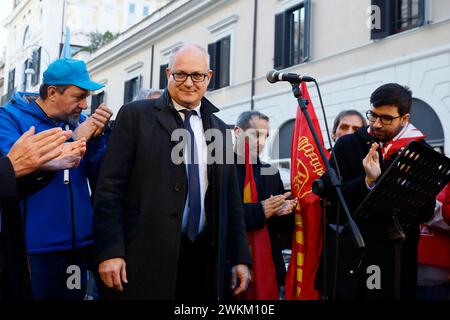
{"x":275,"y":76}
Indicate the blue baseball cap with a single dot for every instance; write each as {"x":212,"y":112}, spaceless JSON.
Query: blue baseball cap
{"x":70,"y":72}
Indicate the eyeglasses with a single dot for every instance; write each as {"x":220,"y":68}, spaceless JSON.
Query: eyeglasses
{"x":195,"y":77}
{"x":385,"y":119}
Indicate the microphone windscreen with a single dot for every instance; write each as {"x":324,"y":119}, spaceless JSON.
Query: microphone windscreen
{"x":271,"y":76}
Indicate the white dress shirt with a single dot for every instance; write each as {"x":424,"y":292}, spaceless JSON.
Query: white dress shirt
{"x":199,"y":133}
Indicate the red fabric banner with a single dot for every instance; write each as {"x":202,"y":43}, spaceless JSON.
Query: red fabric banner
{"x":264,"y":281}
{"x":306,"y":166}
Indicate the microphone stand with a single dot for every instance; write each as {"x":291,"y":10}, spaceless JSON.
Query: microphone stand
{"x":331,"y":179}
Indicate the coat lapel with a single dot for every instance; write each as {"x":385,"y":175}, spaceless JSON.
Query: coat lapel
{"x":167,"y":115}
{"x":209,"y":122}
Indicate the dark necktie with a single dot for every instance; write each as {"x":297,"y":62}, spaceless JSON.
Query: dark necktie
{"x":194,"y":179}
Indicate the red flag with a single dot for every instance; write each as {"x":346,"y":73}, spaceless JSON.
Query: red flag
{"x":306,"y":166}
{"x":264,"y":284}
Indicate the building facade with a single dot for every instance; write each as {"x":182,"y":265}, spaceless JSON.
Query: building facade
{"x":349,"y":46}
{"x":36,"y":31}
{"x":2,"y":72}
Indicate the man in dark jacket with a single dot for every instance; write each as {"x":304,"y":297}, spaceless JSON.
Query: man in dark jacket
{"x":165,"y":226}
{"x":271,"y":211}
{"x":362,"y":157}
{"x":27,"y":155}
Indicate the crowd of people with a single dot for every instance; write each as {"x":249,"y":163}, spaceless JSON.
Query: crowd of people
{"x":156,"y":209}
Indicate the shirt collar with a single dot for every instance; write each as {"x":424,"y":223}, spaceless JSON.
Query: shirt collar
{"x":179,"y":107}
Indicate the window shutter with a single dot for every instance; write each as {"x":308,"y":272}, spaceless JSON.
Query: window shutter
{"x":139,"y":84}
{"x":162,"y":76}
{"x":306,"y":55}
{"x":422,"y":16}
{"x":279,"y":52}
{"x":94,"y":102}
{"x":136,"y":86}
{"x":386,"y":19}
{"x":126,"y":93}
{"x":97,"y":100}
{"x":213,"y":65}
{"x":36,"y":66}
{"x":218,"y":65}
{"x":27,"y":64}
{"x":225,"y":47}
{"x":11,"y":81}
{"x":101,"y":97}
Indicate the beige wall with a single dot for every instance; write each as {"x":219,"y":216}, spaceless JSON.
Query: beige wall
{"x":336,"y":47}
{"x":337,"y":26}
{"x":199,"y":33}
{"x":395,"y":46}
{"x":115,"y":76}
{"x":439,"y":10}
{"x":241,"y":33}
{"x":27,"y":13}
{"x":340,"y":42}
{"x":344,"y":60}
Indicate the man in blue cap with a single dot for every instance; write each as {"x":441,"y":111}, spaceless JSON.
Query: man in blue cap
{"x":58,"y":217}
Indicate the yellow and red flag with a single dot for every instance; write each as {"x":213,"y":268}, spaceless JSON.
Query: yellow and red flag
{"x":306,"y":166}
{"x":264,"y":284}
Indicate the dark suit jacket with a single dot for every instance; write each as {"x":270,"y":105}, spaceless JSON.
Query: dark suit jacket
{"x":141,"y":195}
{"x":350,"y":150}
{"x":280,"y":228}
{"x":15,"y":283}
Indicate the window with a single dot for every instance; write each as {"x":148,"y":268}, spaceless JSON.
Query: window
{"x":97,"y":100}
{"x":26,"y":36}
{"x":427,"y":120}
{"x":292,"y":35}
{"x":26,"y":65}
{"x":219,"y":53}
{"x":146,"y":11}
{"x":132,"y":8}
{"x":397,"y":16}
{"x":131,"y":14}
{"x":11,"y":80}
{"x":36,"y":65}
{"x":281,"y":151}
{"x":281,"y":148}
{"x":73,"y":50}
{"x":132,"y":87}
{"x":162,"y":76}
{"x":408,"y":14}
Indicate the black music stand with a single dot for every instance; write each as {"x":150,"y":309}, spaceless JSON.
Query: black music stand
{"x":415,"y":177}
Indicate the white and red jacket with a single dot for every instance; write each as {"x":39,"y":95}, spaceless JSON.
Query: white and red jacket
{"x":434,"y":244}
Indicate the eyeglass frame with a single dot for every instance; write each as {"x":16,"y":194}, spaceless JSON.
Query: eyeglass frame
{"x":381,"y":117}
{"x":189,"y":75}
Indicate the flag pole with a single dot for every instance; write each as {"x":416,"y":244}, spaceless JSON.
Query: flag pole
{"x":331,"y":179}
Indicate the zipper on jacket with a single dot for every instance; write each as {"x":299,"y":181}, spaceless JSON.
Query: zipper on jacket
{"x":72,"y":218}
{"x":72,"y":209}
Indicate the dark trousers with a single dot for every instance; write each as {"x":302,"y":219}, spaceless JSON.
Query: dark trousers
{"x":353,"y":263}
{"x":15,"y":282}
{"x":60,"y":275}
{"x":194,"y":281}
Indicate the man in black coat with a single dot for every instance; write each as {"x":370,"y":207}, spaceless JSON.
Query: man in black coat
{"x":273,"y":208}
{"x":17,"y":178}
{"x":362,"y":157}
{"x":148,"y":242}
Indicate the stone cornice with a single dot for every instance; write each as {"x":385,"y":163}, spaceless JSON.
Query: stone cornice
{"x":133,"y":40}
